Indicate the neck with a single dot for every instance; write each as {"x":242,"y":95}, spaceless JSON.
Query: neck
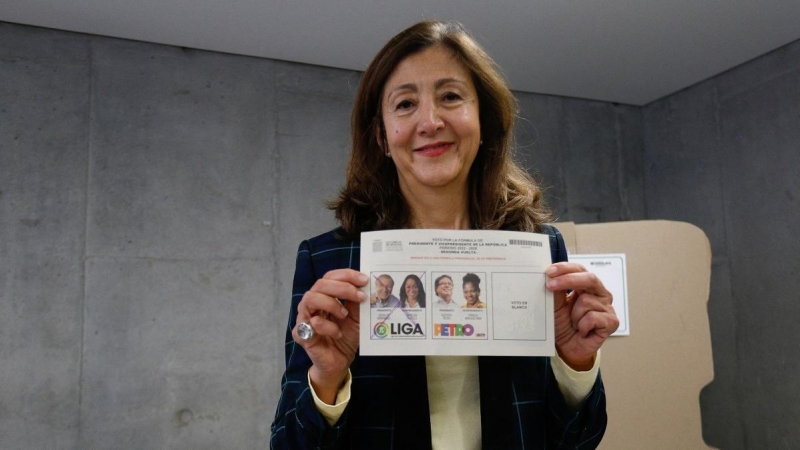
{"x":444,"y":207}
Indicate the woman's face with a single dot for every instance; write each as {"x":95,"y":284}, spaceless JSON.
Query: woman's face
{"x":471,"y":293}
{"x":430,"y":116}
{"x":412,"y":290}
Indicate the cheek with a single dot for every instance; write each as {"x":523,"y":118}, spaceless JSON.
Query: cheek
{"x":398,"y":133}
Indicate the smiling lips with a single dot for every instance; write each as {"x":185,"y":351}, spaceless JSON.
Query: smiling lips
{"x":434,"y":149}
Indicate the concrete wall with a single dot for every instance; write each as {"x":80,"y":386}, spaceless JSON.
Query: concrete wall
{"x":143,"y":273}
{"x":724,"y":155}
{"x":152,"y":198}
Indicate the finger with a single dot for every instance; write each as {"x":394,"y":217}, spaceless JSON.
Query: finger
{"x":354,"y":311}
{"x":351,"y":276}
{"x":321,"y":325}
{"x":314,"y":303}
{"x":303,"y":342}
{"x":600,"y":323}
{"x":325,"y":327}
{"x":581,"y":281}
{"x":560,"y":299}
{"x":560,"y":268}
{"x":586,"y":303}
{"x":342,"y":290}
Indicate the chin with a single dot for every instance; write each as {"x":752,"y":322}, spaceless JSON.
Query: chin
{"x":439,"y":180}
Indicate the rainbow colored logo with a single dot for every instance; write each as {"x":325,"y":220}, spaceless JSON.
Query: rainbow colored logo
{"x":452,"y":329}
{"x":381,"y":329}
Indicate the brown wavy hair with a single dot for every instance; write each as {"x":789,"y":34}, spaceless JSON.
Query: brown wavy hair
{"x":502,"y":196}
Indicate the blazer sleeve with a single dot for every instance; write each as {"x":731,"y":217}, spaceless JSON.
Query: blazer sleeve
{"x":297,"y":422}
{"x":567,"y":428}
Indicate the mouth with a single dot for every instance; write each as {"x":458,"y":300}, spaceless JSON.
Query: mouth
{"x":435,"y":149}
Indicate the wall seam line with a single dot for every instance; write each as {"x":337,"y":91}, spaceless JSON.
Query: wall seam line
{"x":84,"y":260}
{"x":725,"y":231}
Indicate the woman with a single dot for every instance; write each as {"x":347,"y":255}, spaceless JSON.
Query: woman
{"x":412,"y":294}
{"x":472,"y":291}
{"x":431,"y":132}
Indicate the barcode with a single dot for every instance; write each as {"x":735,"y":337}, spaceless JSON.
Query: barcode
{"x":377,"y":246}
{"x":524,"y":242}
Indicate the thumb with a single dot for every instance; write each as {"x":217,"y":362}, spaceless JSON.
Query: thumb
{"x":353,"y":310}
{"x":559,"y":300}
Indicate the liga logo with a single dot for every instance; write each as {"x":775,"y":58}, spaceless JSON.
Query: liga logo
{"x":383,"y":329}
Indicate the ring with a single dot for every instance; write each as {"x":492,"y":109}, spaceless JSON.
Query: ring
{"x":305,"y":331}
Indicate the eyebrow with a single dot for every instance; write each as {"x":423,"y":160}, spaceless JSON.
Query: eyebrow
{"x":444,"y":81}
{"x":413,"y":86}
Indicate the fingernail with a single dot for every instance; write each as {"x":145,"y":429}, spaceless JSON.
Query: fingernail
{"x":344,"y":312}
{"x":361,"y":295}
{"x":551,"y":283}
{"x":363,"y":278}
{"x":550,"y":271}
{"x":339,"y":336}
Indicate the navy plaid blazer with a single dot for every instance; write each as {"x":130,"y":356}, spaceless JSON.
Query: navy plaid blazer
{"x":521,"y":404}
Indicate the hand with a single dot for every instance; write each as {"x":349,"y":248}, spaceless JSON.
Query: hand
{"x":584,"y":318}
{"x":335,"y":341}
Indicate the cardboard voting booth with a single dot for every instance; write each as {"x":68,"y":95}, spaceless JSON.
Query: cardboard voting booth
{"x":653,"y":377}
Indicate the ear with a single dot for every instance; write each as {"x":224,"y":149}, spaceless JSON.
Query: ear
{"x":380,"y":136}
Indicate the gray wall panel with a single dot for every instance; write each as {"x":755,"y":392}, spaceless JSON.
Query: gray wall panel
{"x":174,"y":354}
{"x":782,"y":62}
{"x":594,"y":152}
{"x":182,"y":144}
{"x":683,"y":162}
{"x":631,"y":175}
{"x":541,"y":142}
{"x":723,"y":424}
{"x":761,"y":138}
{"x":44,"y":116}
{"x":587,"y":155}
{"x":313,"y":105}
{"x":723,"y":155}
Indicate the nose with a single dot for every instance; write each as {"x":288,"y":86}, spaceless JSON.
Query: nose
{"x":429,"y":119}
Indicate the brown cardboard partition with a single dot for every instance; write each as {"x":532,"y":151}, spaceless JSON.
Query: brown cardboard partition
{"x":654,"y":376}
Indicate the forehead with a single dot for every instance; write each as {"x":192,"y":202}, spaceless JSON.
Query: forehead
{"x":426,"y":67}
{"x":384,"y":279}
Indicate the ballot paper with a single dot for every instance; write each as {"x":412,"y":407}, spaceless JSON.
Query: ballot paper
{"x":611,"y":269}
{"x":477,"y":293}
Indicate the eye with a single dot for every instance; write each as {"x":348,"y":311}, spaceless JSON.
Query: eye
{"x":450,"y":97}
{"x":403,"y":105}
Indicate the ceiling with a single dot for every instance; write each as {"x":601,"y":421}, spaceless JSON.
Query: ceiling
{"x":623,"y":51}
